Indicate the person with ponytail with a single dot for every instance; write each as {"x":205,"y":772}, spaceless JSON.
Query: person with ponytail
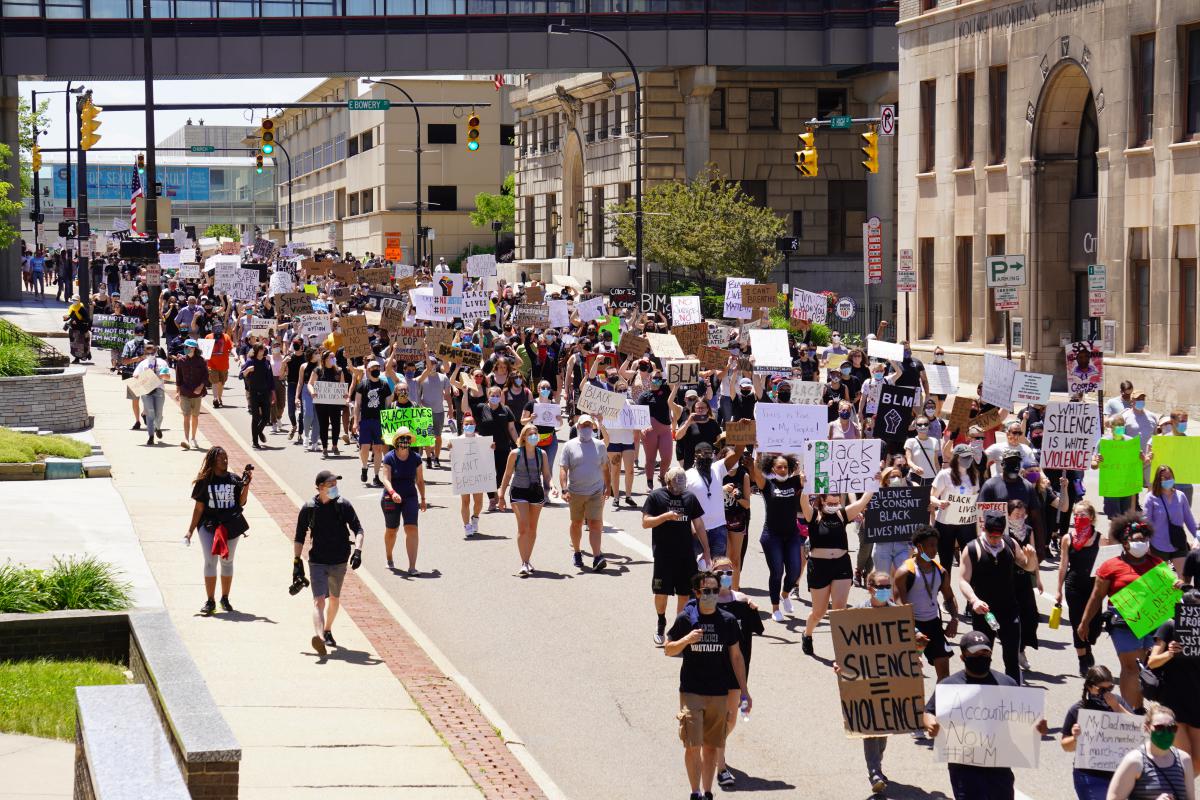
{"x":1098,"y":695}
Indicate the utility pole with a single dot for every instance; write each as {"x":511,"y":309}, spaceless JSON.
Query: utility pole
{"x":85,"y":271}
{"x":37,"y":181}
{"x":150,"y":190}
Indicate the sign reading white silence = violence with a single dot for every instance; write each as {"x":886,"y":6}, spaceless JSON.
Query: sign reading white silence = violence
{"x":895,"y":512}
{"x":880,"y":681}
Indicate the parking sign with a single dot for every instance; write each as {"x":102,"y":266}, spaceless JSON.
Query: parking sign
{"x":1008,"y":270}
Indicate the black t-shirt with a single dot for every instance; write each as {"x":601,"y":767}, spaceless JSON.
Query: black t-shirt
{"x":743,"y":404}
{"x":295,"y":362}
{"x":672,"y":538}
{"x":374,"y":396}
{"x":1191,"y":568}
{"x":1180,"y":676}
{"x":749,"y":625}
{"x":331,"y":528}
{"x":221,"y":495}
{"x":705,"y":669}
{"x":782,"y":499}
{"x":657,"y":400}
{"x":1091,"y":704}
{"x":911,"y":370}
{"x":697,"y":432}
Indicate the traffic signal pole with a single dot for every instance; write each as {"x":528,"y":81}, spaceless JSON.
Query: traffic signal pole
{"x":149,"y":188}
{"x":37,"y":181}
{"x":84,"y":269}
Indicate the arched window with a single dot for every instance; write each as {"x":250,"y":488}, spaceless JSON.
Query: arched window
{"x":1087,"y":177}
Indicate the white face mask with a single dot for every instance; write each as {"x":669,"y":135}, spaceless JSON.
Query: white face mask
{"x":1139,"y":549}
{"x":585,"y":434}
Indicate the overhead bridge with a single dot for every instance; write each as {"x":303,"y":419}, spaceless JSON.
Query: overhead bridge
{"x":102,"y":39}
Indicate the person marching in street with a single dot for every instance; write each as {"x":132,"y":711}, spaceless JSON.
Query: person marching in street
{"x":750,"y":625}
{"x":153,"y":401}
{"x":1157,"y":769}
{"x":705,"y":481}
{"x":329,"y":416}
{"x":1027,"y":581}
{"x":432,"y":392}
{"x":919,"y":582}
{"x":776,"y":476}
{"x":259,"y":381}
{"x":78,"y":321}
{"x":330,"y":520}
{"x":131,"y":355}
{"x":1098,"y":695}
{"x":218,"y":362}
{"x":220,"y":497}
{"x":371,"y":397}
{"x":584,"y":482}
{"x":403,"y":478}
{"x":191,"y":376}
{"x":1169,"y":512}
{"x":471,"y":505}
{"x":736,"y":488}
{"x":527,"y":471}
{"x":1078,"y":550}
{"x":989,"y":569}
{"x":1179,"y":673}
{"x":675,"y":516}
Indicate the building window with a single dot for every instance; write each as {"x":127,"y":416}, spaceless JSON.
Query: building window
{"x":927,"y":278}
{"x":831,"y":103}
{"x":339,"y":147}
{"x":1140,"y":280}
{"x":997,"y":114}
{"x":551,"y":228}
{"x":764,"y":110}
{"x":756,"y":191}
{"x":966,"y":119}
{"x":1143,"y":89}
{"x":367,"y":141}
{"x":443,"y":198}
{"x":598,"y":222}
{"x":1087,"y":174}
{"x":798,"y":224}
{"x":624,"y":192}
{"x":1191,"y":80}
{"x":847,"y":213}
{"x":963,"y":284}
{"x":442,"y":134}
{"x":716,"y":110}
{"x":530,"y":229}
{"x":1187,"y":306}
{"x":352,"y":146}
{"x":602,"y":120}
{"x":928,"y":117}
{"x":995,"y":333}
{"x":928,"y":5}
{"x":367,"y":203}
{"x":508,"y":135}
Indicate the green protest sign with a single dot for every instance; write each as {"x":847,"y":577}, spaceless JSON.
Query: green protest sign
{"x":1149,"y":601}
{"x":1180,"y":453}
{"x":1120,"y":467}
{"x":613,"y":326}
{"x":417,"y":420}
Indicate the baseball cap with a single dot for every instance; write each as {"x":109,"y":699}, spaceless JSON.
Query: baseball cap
{"x":704,"y":447}
{"x":745,"y":382}
{"x":962,"y":450}
{"x":994,"y":522}
{"x":974,"y":642}
{"x":324,"y":476}
{"x":585,"y":419}
{"x":190,"y":343}
{"x":373,"y":363}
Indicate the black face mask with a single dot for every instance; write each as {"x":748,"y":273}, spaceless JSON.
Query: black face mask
{"x":978,"y":665}
{"x":375,"y":374}
{"x":747,"y":391}
{"x":704,"y":462}
{"x":785,"y":397}
{"x":1011,"y":470}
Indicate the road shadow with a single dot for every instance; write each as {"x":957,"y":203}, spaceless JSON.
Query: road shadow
{"x":625,"y":561}
{"x":403,"y":573}
{"x":1042,"y":677}
{"x":483,"y":537}
{"x":242,"y":616}
{"x":359,"y":657}
{"x":546,"y":574}
{"x":750,"y":783}
{"x":903,"y":791}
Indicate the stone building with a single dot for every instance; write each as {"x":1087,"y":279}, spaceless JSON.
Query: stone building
{"x":1066,"y":132}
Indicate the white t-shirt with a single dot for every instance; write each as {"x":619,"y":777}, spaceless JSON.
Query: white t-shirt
{"x":995,"y":454}
{"x":712,"y":496}
{"x":943,"y":487}
{"x":927,"y":461}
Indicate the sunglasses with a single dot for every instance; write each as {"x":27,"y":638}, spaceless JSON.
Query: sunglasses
{"x":724,"y":572}
{"x":403,"y":444}
{"x":922,"y":427}
{"x":707,"y":592}
{"x":882,"y":586}
{"x":1170,"y":727}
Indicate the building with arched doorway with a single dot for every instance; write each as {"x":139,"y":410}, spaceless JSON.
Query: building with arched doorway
{"x":1066,"y":132}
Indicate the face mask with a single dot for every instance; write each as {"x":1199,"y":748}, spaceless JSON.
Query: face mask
{"x":479,"y":380}
{"x":493,"y":400}
{"x":844,"y":414}
{"x":1162,"y":739}
{"x":329,"y":362}
{"x":1139,"y":549}
{"x":1181,"y":427}
{"x":1083,"y":523}
{"x":1168,"y":483}
{"x":708,"y":603}
{"x":930,"y":410}
{"x":845,"y":370}
{"x":1033,"y":477}
{"x":978,"y":665}
{"x":1119,"y":431}
{"x":145,"y":298}
{"x":704,"y":462}
{"x":657,"y":382}
{"x":726,"y":581}
{"x":333,"y":493}
{"x":517,"y":381}
{"x":883,"y":594}
{"x":976,"y":447}
{"x":1016,"y":527}
{"x":897,"y":482}
{"x":926,"y":558}
{"x":468,"y":428}
{"x":1139,"y":404}
{"x":831,"y":509}
{"x":375,"y":373}
{"x":746,"y":390}
{"x":531,"y":439}
{"x":466,"y":339}
{"x":785,"y":397}
{"x":585,"y":434}
{"x":544,"y":392}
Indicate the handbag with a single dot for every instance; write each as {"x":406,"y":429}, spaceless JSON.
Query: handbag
{"x":1150,"y":681}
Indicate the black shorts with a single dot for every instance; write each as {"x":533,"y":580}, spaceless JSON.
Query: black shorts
{"x":534,"y":495}
{"x":407,"y":509}
{"x":673,"y":573}
{"x":936,"y":647}
{"x":824,"y":571}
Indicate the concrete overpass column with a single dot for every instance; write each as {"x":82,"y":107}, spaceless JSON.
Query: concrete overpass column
{"x":10,"y":257}
{"x":877,"y":90}
{"x":696,"y":86}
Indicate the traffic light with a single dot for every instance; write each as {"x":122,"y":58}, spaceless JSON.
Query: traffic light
{"x":36,"y":158}
{"x":473,"y":132}
{"x":266,"y":135}
{"x":141,"y":164}
{"x":870,"y":149}
{"x":258,"y":164}
{"x":89,"y":123}
{"x":806,"y":158}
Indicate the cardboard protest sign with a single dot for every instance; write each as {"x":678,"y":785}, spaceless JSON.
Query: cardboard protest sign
{"x":329,"y":393}
{"x":633,"y":346}
{"x":1105,"y":737}
{"x":770,"y":349}
{"x":686,"y":311}
{"x":894,"y":412}
{"x":1085,"y":367}
{"x":961,"y":510}
{"x":481,"y":264}
{"x":112,"y":331}
{"x":535,"y":294}
{"x":406,"y":342}
{"x":880,"y":681}
{"x":314,"y":326}
{"x":685,"y":371}
{"x":734,"y":308}
{"x":691,"y":338}
{"x":992,"y":418}
{"x":741,"y":432}
{"x":532,"y":315}
{"x":474,"y":306}
{"x":943,"y":379}
{"x":809,"y":306}
{"x":417,"y":419}
{"x":355,"y":339}
{"x":998,"y":374}
{"x":436,"y":337}
{"x":807,"y":392}
{"x":665,"y":346}
{"x":1181,"y":453}
{"x":601,"y":402}
{"x":988,"y":726}
{"x":713,"y":358}
{"x":1031,"y":387}
{"x":341,"y":271}
{"x":392,"y":318}
{"x":960,"y":415}
{"x":560,"y":313}
{"x":787,"y":427}
{"x":373,"y":275}
{"x":1149,"y":601}
{"x":840,"y":466}
{"x":545,"y":415}
{"x":760,"y":295}
{"x":990,"y":508}
{"x":460,"y":355}
{"x":633,"y":417}
{"x":472,"y":465}
{"x":1120,"y":467}
{"x":895,"y":512}
{"x":1187,"y":630}
{"x":143,"y":383}
{"x":1070,"y":434}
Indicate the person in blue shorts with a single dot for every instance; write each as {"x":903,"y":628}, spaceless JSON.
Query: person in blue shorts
{"x":372,"y":395}
{"x":403,"y":479}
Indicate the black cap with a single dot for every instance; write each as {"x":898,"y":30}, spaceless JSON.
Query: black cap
{"x":324,"y":476}
{"x":994,"y":522}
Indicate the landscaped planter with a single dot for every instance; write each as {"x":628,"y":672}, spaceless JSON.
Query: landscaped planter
{"x":50,"y":402}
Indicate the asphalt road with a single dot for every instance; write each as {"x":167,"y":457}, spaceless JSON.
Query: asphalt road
{"x":568,"y":660}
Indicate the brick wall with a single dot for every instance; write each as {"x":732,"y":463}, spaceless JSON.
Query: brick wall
{"x":64,"y":635}
{"x":52,"y":402}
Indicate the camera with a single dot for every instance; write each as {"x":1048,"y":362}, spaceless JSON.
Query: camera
{"x":299,"y":583}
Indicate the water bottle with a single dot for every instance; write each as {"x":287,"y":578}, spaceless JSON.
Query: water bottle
{"x":990,"y":618}
{"x":187,"y":541}
{"x":745,"y":709}
{"x":1056,"y":616}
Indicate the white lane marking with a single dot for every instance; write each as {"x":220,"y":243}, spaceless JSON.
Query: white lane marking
{"x":632,"y":543}
{"x":1019,"y":795}
{"x":513,"y":742}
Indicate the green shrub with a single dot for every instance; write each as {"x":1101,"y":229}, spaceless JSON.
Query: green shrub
{"x":20,"y":592}
{"x":17,"y":360}
{"x":85,"y":582}
{"x":21,"y":447}
{"x":37,"y":698}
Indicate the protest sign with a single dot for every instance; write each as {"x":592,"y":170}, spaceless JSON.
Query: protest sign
{"x":686,"y":371}
{"x":355,"y":339}
{"x":310,"y":289}
{"x":153,"y":275}
{"x":718,"y":335}
{"x":545,"y":415}
{"x":760,"y":295}
{"x":770,"y":349}
{"x":245,"y":285}
{"x":189,"y":271}
{"x":1187,"y":629}
{"x":960,"y":415}
{"x":407,"y":343}
{"x":741,"y":432}
{"x":206,"y":347}
{"x":613,"y":326}
{"x":733,"y":299}
{"x":406,"y":282}
{"x":601,"y":402}
{"x":169,"y":260}
{"x":460,"y":355}
{"x":373,"y":275}
{"x":890,"y":351}
{"x":474,"y":306}
{"x":314,"y":326}
{"x":1120,"y":467}
{"x":998,"y":374}
{"x":481,"y":264}
{"x":535,"y":294}
{"x":1070,"y":433}
{"x":686,"y":311}
{"x":1031,"y":387}
{"x":422,"y":301}
{"x":633,"y":346}
{"x":472,"y":465}
{"x":436,"y":337}
{"x":879,"y":678}
{"x":894,"y":411}
{"x":990,"y":419}
{"x":665,"y":346}
{"x":1085,"y":367}
{"x":391,"y":319}
{"x":988,"y":726}
{"x":591,"y":309}
{"x":712,"y":358}
{"x":991,"y":508}
{"x":329,"y":393}
{"x":691,"y":338}
{"x":961,"y":510}
{"x":143,"y":383}
{"x":291,"y":304}
{"x":1149,"y":601}
{"x":532,"y":315}
{"x":1105,"y":737}
{"x":633,"y":417}
{"x":560,"y":313}
{"x":839,"y":466}
{"x":281,"y":282}
{"x":1181,"y":453}
{"x":127,"y":291}
{"x":112,"y":331}
{"x":187,"y":256}
{"x":786,"y":427}
{"x":809,"y":306}
{"x":895,"y":512}
{"x":807,"y":392}
{"x":417,"y":419}
{"x":400,"y":271}
{"x":943,"y":379}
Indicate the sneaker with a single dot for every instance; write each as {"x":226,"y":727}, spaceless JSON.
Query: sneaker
{"x":184,"y":444}
{"x":195,"y":445}
{"x":878,"y":783}
{"x":137,"y":426}
{"x":292,"y":433}
{"x":319,"y":645}
{"x":336,"y":453}
{"x":806,"y":644}
{"x":577,"y":559}
{"x":228,"y":609}
{"x":1023,"y":660}
{"x":523,"y":571}
{"x":649,"y":483}
{"x":209,"y":607}
{"x":324,"y":452}
{"x":475,"y":524}
{"x":437,"y":463}
{"x":598,"y":563}
{"x":428,"y":462}
{"x":468,"y":532}
{"x":616,"y":504}
{"x":787,"y":604}
{"x":391,"y":564}
{"x":629,"y":502}
{"x":659,"y":640}
{"x":725,"y":778}
{"x":150,"y":440}
{"x":362,"y":474}
{"x":529,"y":567}
{"x":158,"y":433}
{"x":329,"y":639}
{"x":777,"y":615}
{"x":376,"y":483}
{"x":346,"y":438}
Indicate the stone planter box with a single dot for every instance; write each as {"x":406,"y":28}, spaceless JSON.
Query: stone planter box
{"x":35,"y":471}
{"x":52,"y":402}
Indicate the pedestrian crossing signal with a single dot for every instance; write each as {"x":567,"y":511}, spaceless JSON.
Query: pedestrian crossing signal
{"x":473,"y":132}
{"x":870,"y":149}
{"x":806,"y":158}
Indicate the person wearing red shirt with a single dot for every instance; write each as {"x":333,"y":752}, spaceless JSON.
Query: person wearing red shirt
{"x":218,"y":362}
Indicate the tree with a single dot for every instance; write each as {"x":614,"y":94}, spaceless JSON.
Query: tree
{"x":225,"y":229}
{"x":27,"y":123}
{"x":503,"y":207}
{"x":9,"y":208}
{"x":707,"y":226}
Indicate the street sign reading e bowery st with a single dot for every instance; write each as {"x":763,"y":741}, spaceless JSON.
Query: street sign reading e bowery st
{"x":368,"y":105}
{"x":1005,"y":270}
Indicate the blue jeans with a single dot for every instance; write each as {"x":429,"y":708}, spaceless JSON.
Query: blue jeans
{"x":981,"y":783}
{"x":152,"y":409}
{"x":783,"y":561}
{"x":1091,"y":787}
{"x":718,"y":542}
{"x":890,"y":556}
{"x":310,"y":416}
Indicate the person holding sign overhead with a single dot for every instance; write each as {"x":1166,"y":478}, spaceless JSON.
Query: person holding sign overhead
{"x":1157,"y":770}
{"x":403,"y":480}
{"x":1179,"y":673}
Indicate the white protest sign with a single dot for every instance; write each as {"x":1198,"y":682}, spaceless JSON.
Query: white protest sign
{"x":807,"y":392}
{"x":281,"y":283}
{"x":314,"y":326}
{"x":839,"y":466}
{"x":1069,"y":435}
{"x":1105,"y":737}
{"x":590,"y":309}
{"x":665,"y":346}
{"x":733,"y":299}
{"x":891,"y":351}
{"x":480,"y":265}
{"x":128,"y":290}
{"x":770,"y":349}
{"x":403,"y":271}
{"x":560,"y":313}
{"x":169,"y":260}
{"x":448,"y":284}
{"x":153,"y":274}
{"x":187,"y":255}
{"x":474,"y":306}
{"x":786,"y":427}
{"x":545,"y":415}
{"x":245,"y":285}
{"x":686,"y":310}
{"x":601,"y":402}
{"x":961,"y":511}
{"x":988,"y":726}
{"x":633,"y":417}
{"x":998,"y":375}
{"x":809,"y":306}
{"x":1031,"y":387}
{"x":329,"y":393}
{"x":472,"y":466}
{"x":943,"y":378}
{"x":424,"y":306}
{"x":1106,"y":552}
{"x":119,"y":224}
{"x":206,"y":347}
{"x":189,"y":272}
{"x":143,"y":383}
{"x":224,"y":269}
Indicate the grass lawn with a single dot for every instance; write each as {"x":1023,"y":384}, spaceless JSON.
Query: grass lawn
{"x":37,"y":698}
{"x":18,"y":448}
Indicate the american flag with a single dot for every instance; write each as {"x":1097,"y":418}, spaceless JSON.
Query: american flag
{"x":134,"y":194}
{"x":498,"y":81}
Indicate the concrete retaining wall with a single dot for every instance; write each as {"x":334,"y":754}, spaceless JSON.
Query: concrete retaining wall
{"x":48,"y":402}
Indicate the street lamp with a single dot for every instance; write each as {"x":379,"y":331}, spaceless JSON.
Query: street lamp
{"x":418,"y":151}
{"x":496,"y":226}
{"x":562,"y":29}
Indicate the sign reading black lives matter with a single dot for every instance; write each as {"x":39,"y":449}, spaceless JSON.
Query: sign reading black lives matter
{"x":895,"y":412}
{"x":895,"y":512}
{"x":880,"y":681}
